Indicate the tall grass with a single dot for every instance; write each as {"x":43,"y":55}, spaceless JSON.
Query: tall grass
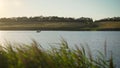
{"x":34,"y":56}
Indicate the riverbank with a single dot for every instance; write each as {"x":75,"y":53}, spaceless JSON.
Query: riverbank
{"x":62,"y":26}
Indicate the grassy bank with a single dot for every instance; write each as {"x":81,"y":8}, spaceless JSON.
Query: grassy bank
{"x":34,"y":56}
{"x":69,"y":26}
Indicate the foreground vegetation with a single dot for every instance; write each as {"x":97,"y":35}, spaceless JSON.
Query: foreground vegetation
{"x":34,"y":56}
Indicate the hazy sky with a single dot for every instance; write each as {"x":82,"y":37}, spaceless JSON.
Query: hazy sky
{"x":95,"y":9}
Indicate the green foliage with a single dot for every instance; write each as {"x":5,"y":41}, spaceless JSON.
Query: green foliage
{"x":41,"y":19}
{"x":109,"y":19}
{"x":34,"y":56}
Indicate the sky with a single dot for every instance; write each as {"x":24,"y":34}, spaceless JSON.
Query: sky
{"x":95,"y":9}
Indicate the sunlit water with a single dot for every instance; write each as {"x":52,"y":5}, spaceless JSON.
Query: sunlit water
{"x":94,"y":39}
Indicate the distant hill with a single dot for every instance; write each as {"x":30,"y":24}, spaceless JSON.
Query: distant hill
{"x":59,"y":23}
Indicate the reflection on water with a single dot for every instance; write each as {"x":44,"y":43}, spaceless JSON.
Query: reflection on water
{"x":95,"y":39}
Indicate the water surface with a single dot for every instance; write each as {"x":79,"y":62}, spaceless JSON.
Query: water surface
{"x":94,"y":39}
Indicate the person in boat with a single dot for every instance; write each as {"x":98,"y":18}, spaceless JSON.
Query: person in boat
{"x":38,"y":31}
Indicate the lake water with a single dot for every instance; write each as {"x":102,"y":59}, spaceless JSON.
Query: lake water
{"x":94,"y":39}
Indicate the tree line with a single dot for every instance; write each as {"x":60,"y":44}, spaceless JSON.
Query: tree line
{"x":109,"y":19}
{"x":56,"y":19}
{"x":47,"y":19}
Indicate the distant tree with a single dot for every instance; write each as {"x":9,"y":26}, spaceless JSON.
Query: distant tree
{"x":48,"y":19}
{"x":85,"y":20}
{"x":109,"y":19}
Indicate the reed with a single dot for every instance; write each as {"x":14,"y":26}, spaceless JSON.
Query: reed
{"x":34,"y":56}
